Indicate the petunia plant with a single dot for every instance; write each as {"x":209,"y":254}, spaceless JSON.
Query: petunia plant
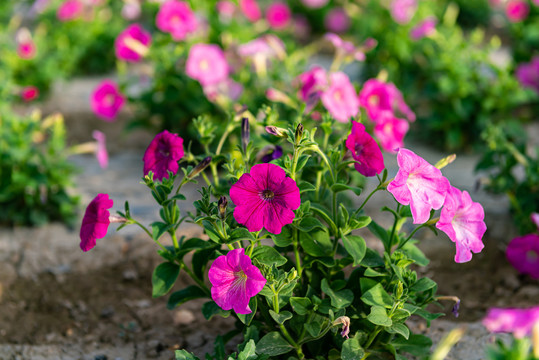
{"x":282,"y":245}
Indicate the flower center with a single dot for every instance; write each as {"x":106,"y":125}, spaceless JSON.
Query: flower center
{"x":109,"y":100}
{"x":374,"y":100}
{"x":204,"y":65}
{"x":532,"y":256}
{"x":267,"y":194}
{"x":358,"y":148}
{"x":175,"y":20}
{"x":338,"y":96}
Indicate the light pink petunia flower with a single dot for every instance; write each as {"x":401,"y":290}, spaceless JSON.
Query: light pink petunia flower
{"x":278,"y":15}
{"x":463,"y":221}
{"x":425,"y":28}
{"x":390,"y":130}
{"x":163,"y":154}
{"x":365,"y":151}
{"x":226,"y":9}
{"x":177,"y":18}
{"x":26,"y":48}
{"x":313,"y":83}
{"x":337,"y":20}
{"x":106,"y":100}
{"x":207,"y":64}
{"x":528,"y":74}
{"x":250,"y":9}
{"x":377,"y":96}
{"x":101,"y":152}
{"x":131,"y":10}
{"x":345,"y":48}
{"x":402,"y":11}
{"x":519,"y":322}
{"x":235,"y":280}
{"x":340,"y":99}
{"x":69,"y":10}
{"x":523,"y":253}
{"x":132,"y":44}
{"x":266,"y":47}
{"x":29,"y":93}
{"x":265,"y":197}
{"x":517,"y":10}
{"x":95,"y":222}
{"x":227,"y":88}
{"x":418,"y":184}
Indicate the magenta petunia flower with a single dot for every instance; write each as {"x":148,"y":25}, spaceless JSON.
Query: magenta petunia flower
{"x":106,"y":100}
{"x":365,"y":150}
{"x":95,"y":222}
{"x":337,"y":20}
{"x":101,"y":151}
{"x":177,"y":18}
{"x":29,"y":93}
{"x":132,"y":44}
{"x":235,"y":280}
{"x":402,"y":11}
{"x":528,"y":74}
{"x":26,"y":48}
{"x":250,"y":9}
{"x":391,"y":131}
{"x":419,"y":184}
{"x":462,"y":220}
{"x":517,"y":10}
{"x":69,"y":10}
{"x":207,"y":64}
{"x":519,"y":322}
{"x":265,"y":197}
{"x":377,"y":96}
{"x":425,"y":28}
{"x":313,"y":83}
{"x":340,"y":99}
{"x":523,"y":253}
{"x":278,"y":15}
{"x":163,"y":154}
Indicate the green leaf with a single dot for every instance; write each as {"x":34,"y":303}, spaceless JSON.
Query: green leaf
{"x":339,"y":299}
{"x":159,"y":228}
{"x":423,"y":284}
{"x":268,"y":256}
{"x":300,"y":305}
{"x":273,"y":344}
{"x":336,"y":188}
{"x":281,"y":317}
{"x":240,"y":234}
{"x":247,"y":318}
{"x":351,"y":350}
{"x":313,"y":328}
{"x":356,"y":247}
{"x":415,"y":254}
{"x":316,"y":243}
{"x":417,"y":345}
{"x":309,"y":223}
{"x":376,"y":295}
{"x":211,"y":232}
{"x":248,"y":352}
{"x":400,"y":329}
{"x":320,"y":211}
{"x":163,"y":278}
{"x":372,"y":259}
{"x":189,"y":293}
{"x":284,"y":238}
{"x":211,"y":309}
{"x":305,"y":186}
{"x":378,"y":316}
{"x":380,"y":233}
{"x":184,"y":355}
{"x":373,"y":273}
{"x":359,"y":222}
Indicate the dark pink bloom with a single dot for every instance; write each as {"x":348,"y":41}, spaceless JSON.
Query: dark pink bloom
{"x":418,"y":184}
{"x":29,"y":93}
{"x":402,"y":11}
{"x":163,"y":154}
{"x":340,"y":99}
{"x":377,"y":96}
{"x":265,"y":197}
{"x":207,"y":64}
{"x":278,"y":15}
{"x":519,"y":322}
{"x":69,"y":10}
{"x":337,"y":20}
{"x":391,"y":131}
{"x":463,"y":221}
{"x":425,"y":28}
{"x":101,"y":152}
{"x":250,"y":9}
{"x":26,"y":48}
{"x":528,"y":74}
{"x":95,"y":222}
{"x":365,"y":151}
{"x":523,"y":253}
{"x":314,"y":4}
{"x":313,"y":83}
{"x":235,"y":280}
{"x":517,"y":10}
{"x":177,"y":18}
{"x":106,"y":100}
{"x":132,"y":43}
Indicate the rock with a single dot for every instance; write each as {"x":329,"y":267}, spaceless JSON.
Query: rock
{"x":130,"y":275}
{"x":183,"y":317}
{"x":107,"y":312}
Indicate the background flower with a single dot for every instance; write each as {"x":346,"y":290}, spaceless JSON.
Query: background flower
{"x":163,"y":154}
{"x":132,"y":43}
{"x":106,"y":100}
{"x":523,"y":253}
{"x":340,"y":99}
{"x":390,"y":130}
{"x":278,"y":15}
{"x":519,"y":322}
{"x":69,"y":10}
{"x":29,"y":93}
{"x":95,"y":222}
{"x":207,"y":64}
{"x":176,"y":18}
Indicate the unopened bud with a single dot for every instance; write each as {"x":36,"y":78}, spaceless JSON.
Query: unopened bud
{"x":222,"y":203}
{"x":345,"y":321}
{"x":276,"y":131}
{"x":299,"y":133}
{"x":245,"y":133}
{"x":201,"y":166}
{"x":292,"y":275}
{"x":445,"y":161}
{"x":400,"y":290}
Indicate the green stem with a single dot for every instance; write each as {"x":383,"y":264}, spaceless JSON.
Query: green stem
{"x":323,"y":156}
{"x":194,"y":277}
{"x":296,"y":253}
{"x":410,"y":236}
{"x":149,"y":234}
{"x":285,"y":332}
{"x":367,"y":199}
{"x":294,"y":163}
{"x":174,"y":240}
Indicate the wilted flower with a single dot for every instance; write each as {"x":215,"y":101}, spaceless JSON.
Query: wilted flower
{"x":517,"y":10}
{"x":235,"y":280}
{"x":402,"y":11}
{"x":250,"y":9}
{"x":340,"y":99}
{"x":29,"y":93}
{"x":425,"y":28}
{"x":390,"y":130}
{"x":106,"y":100}
{"x":163,"y":154}
{"x":337,"y":20}
{"x":278,"y":15}
{"x":177,"y":18}
{"x":345,"y":321}
{"x":418,"y":184}
{"x":519,"y":322}
{"x":222,"y":204}
{"x":207,"y":64}
{"x":365,"y":151}
{"x":132,"y":43}
{"x":528,"y":74}
{"x":272,"y":154}
{"x":69,"y":10}
{"x":95,"y":222}
{"x":200,"y":167}
{"x":101,"y":151}
{"x":463,"y":221}
{"x":26,"y":48}
{"x":523,"y":253}
{"x":265,"y":197}
{"x":276,"y":131}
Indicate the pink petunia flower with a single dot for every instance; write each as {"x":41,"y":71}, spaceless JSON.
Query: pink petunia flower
{"x":523,"y":253}
{"x":69,"y":10}
{"x":101,"y":152}
{"x":29,"y":93}
{"x":425,"y":28}
{"x":377,"y":96}
{"x":226,"y":9}
{"x":131,"y":10}
{"x":235,"y":280}
{"x":250,"y":9}
{"x":95,"y":222}
{"x":517,"y":10}
{"x":463,"y":221}
{"x":278,"y":15}
{"x":519,"y":322}
{"x":177,"y":18}
{"x":265,"y":197}
{"x":418,"y":184}
{"x":337,"y":20}
{"x":228,"y":89}
{"x":402,"y":11}
{"x":340,"y":99}
{"x":266,"y":47}
{"x":365,"y":150}
{"x":163,"y":154}
{"x":106,"y":100}
{"x":345,"y":48}
{"x":26,"y":48}
{"x":391,"y":131}
{"x":207,"y":64}
{"x":132,"y":44}
{"x":314,"y":4}
{"x":313,"y":83}
{"x":528,"y":74}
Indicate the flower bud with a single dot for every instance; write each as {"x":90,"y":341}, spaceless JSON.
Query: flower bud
{"x":113,"y":218}
{"x":299,"y":133}
{"x":245,"y":133}
{"x":201,"y":166}
{"x":276,"y":131}
{"x":222,"y":203}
